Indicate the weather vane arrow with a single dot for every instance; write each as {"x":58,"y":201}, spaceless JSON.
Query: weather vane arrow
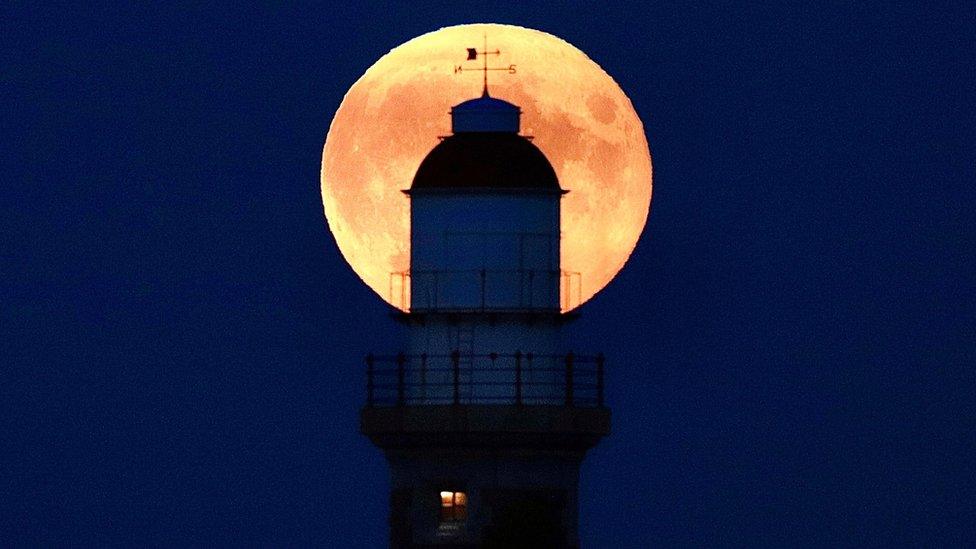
{"x":473,"y":54}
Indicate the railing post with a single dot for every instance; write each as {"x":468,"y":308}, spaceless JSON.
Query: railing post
{"x":579,"y":289}
{"x":518,"y":378}
{"x":599,"y":380}
{"x":569,"y":288}
{"x":369,"y":380}
{"x":401,"y":374}
{"x":569,"y":379}
{"x":456,"y":363}
{"x":404,"y":299}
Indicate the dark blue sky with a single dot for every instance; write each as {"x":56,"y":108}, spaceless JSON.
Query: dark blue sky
{"x":791,"y":347}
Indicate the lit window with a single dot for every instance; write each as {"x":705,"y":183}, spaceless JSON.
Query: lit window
{"x":454,"y":506}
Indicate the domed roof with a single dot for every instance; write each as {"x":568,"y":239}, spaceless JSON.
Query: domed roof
{"x":486,"y":160}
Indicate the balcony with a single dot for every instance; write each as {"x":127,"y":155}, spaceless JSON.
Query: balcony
{"x":485,"y":290}
{"x":487,"y":379}
{"x":541,"y":403}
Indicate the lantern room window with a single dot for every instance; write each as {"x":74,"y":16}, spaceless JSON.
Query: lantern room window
{"x":454,"y":506}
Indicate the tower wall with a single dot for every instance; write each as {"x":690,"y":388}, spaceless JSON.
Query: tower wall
{"x":518,"y":467}
{"x":522,"y":499}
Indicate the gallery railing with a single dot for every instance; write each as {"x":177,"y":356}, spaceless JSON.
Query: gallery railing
{"x":485,"y":289}
{"x":520,"y":379}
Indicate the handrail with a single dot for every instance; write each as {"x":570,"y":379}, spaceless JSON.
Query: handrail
{"x":522,"y":286}
{"x":515,"y":378}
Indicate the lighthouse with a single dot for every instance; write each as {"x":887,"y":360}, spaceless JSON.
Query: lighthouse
{"x":485,"y":414}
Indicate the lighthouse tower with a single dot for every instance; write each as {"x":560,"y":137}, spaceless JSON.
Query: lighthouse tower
{"x":485,"y":415}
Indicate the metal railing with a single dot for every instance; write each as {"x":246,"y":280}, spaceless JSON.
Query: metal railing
{"x":520,"y":379}
{"x":484,"y":289}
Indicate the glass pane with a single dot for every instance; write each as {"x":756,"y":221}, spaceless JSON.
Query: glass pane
{"x":447,"y":499}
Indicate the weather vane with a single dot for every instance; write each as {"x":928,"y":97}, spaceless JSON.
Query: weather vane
{"x":473,"y":54}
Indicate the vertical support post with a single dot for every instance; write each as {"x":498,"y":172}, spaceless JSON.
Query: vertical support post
{"x":369,"y":380}
{"x":401,"y":374}
{"x":518,"y":378}
{"x":579,"y":289}
{"x":404,"y":292}
{"x":563,"y":291}
{"x":599,"y":380}
{"x":456,"y":364}
{"x":569,"y":379}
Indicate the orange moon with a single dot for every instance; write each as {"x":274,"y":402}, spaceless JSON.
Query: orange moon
{"x":578,"y":116}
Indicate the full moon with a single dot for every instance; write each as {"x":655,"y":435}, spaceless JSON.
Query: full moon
{"x":576,"y":114}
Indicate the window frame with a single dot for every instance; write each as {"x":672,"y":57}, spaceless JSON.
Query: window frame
{"x":454,"y":510}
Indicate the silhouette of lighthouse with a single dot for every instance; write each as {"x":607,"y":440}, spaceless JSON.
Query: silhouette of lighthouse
{"x":485,"y":415}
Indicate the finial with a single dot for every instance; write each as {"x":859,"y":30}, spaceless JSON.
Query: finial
{"x":473,"y":54}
